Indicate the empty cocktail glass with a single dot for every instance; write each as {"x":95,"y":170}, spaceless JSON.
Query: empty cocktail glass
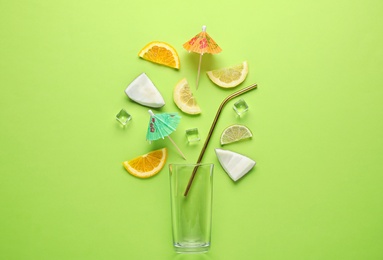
{"x":192,"y":214}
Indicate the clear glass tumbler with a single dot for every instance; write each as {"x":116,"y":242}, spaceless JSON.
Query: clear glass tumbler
{"x":191,"y":215}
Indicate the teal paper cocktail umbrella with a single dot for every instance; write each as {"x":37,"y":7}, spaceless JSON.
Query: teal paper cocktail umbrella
{"x":161,"y":126}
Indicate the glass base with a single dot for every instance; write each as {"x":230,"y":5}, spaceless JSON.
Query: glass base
{"x":191,"y":248}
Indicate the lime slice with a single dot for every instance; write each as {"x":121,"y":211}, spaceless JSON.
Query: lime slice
{"x":235,"y":133}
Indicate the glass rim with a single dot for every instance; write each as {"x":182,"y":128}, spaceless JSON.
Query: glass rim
{"x":190,"y":164}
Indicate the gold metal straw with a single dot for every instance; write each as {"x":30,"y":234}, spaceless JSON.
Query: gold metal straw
{"x":230,"y":97}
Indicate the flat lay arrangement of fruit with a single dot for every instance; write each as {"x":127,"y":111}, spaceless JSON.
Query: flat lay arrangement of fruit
{"x":143,"y":92}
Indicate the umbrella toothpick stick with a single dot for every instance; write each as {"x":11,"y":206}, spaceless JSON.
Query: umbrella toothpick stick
{"x":224,"y":102}
{"x":176,"y":146}
{"x":199,"y":69}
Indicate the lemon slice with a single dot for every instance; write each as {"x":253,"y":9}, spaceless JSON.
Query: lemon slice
{"x":161,"y":53}
{"x":229,"y":77}
{"x":147,"y":165}
{"x":235,"y":165}
{"x":235,"y":133}
{"x":184,"y":99}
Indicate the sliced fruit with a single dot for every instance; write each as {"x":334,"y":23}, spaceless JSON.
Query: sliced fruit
{"x":143,"y":91}
{"x":184,"y":99}
{"x":235,"y":133}
{"x":229,"y":77}
{"x":147,"y":165}
{"x":235,"y":165}
{"x":161,"y":53}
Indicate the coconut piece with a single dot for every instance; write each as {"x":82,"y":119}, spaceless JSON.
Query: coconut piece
{"x":235,"y":165}
{"x":143,"y":91}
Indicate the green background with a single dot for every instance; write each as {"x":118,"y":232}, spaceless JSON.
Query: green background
{"x":316,"y":116}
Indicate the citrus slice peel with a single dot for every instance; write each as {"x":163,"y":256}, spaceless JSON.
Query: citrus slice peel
{"x":147,"y":165}
{"x":235,"y":133}
{"x":229,"y":77}
{"x":160,"y":53}
{"x":184,"y":99}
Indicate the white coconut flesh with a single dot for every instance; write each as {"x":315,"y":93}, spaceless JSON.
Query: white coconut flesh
{"x":235,"y":165}
{"x":143,"y":91}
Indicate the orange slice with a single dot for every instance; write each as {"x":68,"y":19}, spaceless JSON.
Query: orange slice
{"x":147,"y":165}
{"x":161,"y":53}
